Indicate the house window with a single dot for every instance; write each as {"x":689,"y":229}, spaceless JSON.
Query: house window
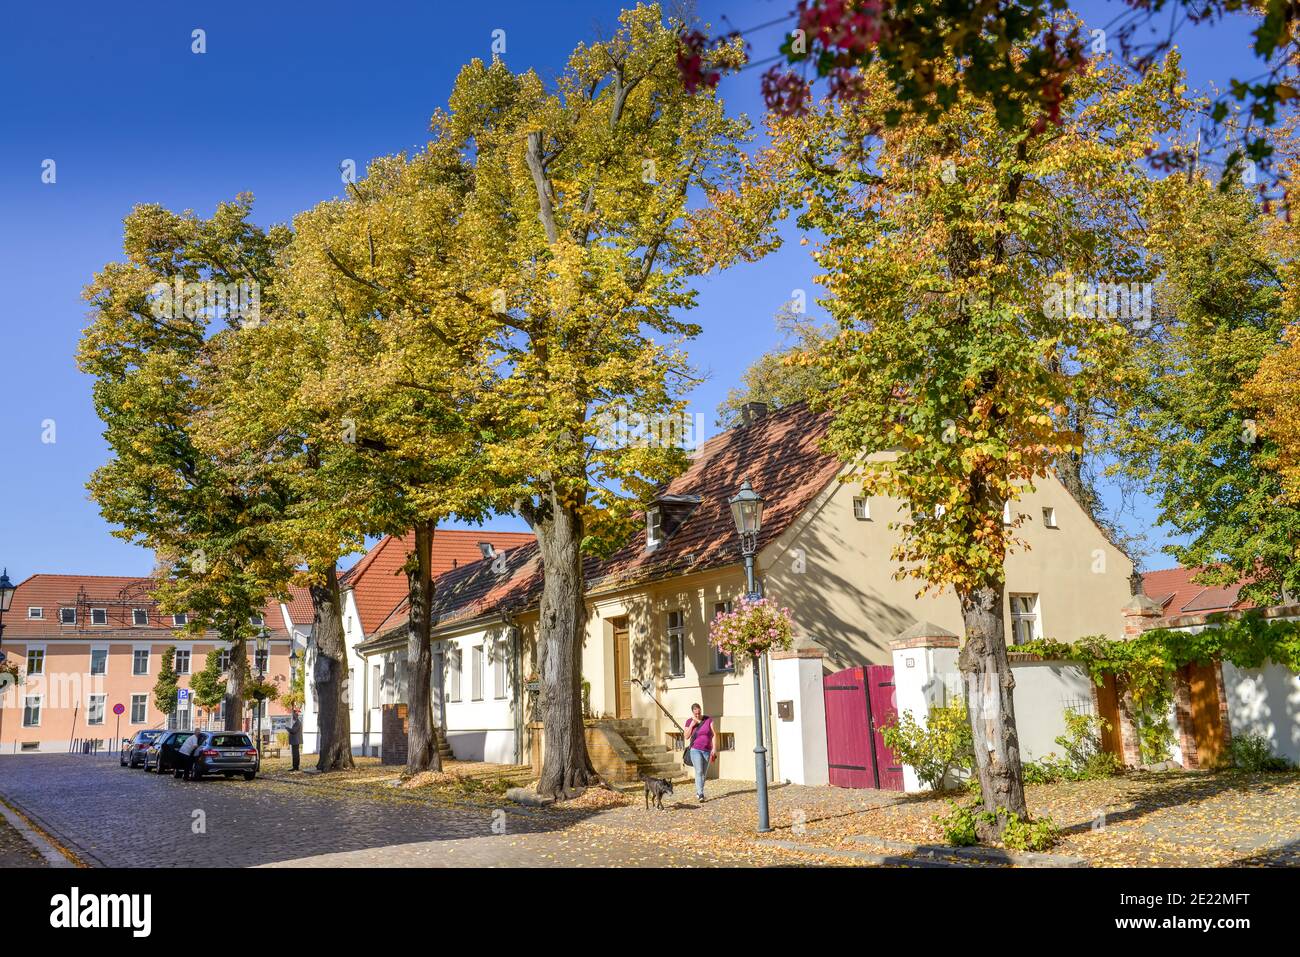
{"x":1049,"y":518}
{"x":653,"y":528}
{"x":720,"y":661}
{"x":181,"y":619}
{"x":35,"y":661}
{"x":99,"y":616}
{"x":139,"y":708}
{"x":256,"y":620}
{"x":676,"y":644}
{"x":862,"y":509}
{"x":182,"y":663}
{"x":375,"y":683}
{"x":223,"y":660}
{"x":139,"y":617}
{"x":1024,"y":618}
{"x":67,"y":616}
{"x":95,"y":710}
{"x":36,"y":612}
{"x":99,"y":661}
{"x":32,"y":711}
{"x":476,"y":673}
{"x":453,"y":675}
{"x":499,"y":671}
{"x":140,"y":662}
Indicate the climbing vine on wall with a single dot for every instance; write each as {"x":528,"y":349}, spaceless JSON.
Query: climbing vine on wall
{"x":1147,"y":663}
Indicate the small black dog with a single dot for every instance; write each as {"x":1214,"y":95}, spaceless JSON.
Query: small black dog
{"x":655,"y":789}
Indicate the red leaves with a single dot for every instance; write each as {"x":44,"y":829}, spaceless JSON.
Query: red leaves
{"x":786,"y":93}
{"x":695,"y":70}
{"x":846,"y":29}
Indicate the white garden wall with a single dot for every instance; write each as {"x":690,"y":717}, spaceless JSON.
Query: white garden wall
{"x":1043,"y":692}
{"x":1265,"y":701}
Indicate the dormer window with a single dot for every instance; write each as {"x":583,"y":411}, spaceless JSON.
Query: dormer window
{"x":67,"y":616}
{"x":654,"y":530}
{"x":180,"y":619}
{"x":35,"y":612}
{"x":139,"y":617}
{"x":99,"y":616}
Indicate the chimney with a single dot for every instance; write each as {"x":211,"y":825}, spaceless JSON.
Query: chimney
{"x":487,"y":549}
{"x":751,"y":412}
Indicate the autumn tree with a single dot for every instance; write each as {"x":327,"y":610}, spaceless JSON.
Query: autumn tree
{"x":945,"y":246}
{"x":1205,"y":429}
{"x":148,"y":347}
{"x":378,"y":281}
{"x":578,"y":221}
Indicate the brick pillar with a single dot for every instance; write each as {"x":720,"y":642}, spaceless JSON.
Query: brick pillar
{"x":1140,"y":613}
{"x":1128,"y":735}
{"x":1225,"y":724}
{"x":1183,"y":711}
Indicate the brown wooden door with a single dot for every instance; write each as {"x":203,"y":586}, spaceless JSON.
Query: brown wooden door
{"x":1207,"y":718}
{"x":622,"y":669}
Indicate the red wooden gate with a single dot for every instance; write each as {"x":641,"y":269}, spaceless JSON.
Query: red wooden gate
{"x":859,"y":701}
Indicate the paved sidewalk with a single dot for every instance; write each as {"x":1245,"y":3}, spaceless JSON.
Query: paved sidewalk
{"x":15,"y":851}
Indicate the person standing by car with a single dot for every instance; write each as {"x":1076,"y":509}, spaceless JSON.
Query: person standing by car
{"x":702,"y":741}
{"x":186,"y":770}
{"x":295,"y":737}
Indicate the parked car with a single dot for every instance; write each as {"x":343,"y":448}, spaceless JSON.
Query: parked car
{"x":226,"y":753}
{"x":133,"y":748}
{"x":165,"y":752}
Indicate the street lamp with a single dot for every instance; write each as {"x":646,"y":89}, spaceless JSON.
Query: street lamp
{"x":747,"y":513}
{"x":7,"y":589}
{"x":263,"y":644}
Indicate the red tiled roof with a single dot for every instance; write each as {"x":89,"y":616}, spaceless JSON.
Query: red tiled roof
{"x":300,"y":607}
{"x":118,"y":595}
{"x":379,"y":585}
{"x":778,"y":454}
{"x":1180,"y":595}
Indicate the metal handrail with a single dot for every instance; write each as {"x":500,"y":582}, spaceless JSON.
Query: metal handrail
{"x":641,"y":683}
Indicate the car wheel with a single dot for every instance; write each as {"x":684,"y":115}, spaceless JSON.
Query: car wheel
{"x":249,"y":775}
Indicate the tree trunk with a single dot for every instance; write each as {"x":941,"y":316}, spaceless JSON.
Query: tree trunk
{"x":566,"y":766}
{"x":421,"y":743}
{"x":235,"y":679}
{"x":330,"y":677}
{"x":989,"y":682}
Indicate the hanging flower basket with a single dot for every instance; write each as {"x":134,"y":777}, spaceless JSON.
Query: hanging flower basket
{"x":752,"y":628}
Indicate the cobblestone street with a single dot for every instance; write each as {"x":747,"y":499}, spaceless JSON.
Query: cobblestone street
{"x":113,"y":816}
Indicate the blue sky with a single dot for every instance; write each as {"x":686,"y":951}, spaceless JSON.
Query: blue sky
{"x":285,"y":93}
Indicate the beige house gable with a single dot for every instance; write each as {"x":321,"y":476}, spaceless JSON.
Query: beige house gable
{"x":835,"y":571}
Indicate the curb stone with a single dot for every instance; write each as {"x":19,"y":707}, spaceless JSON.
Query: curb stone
{"x":52,"y":856}
{"x":984,"y":855}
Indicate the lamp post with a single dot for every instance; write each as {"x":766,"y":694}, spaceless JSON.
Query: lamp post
{"x":747,"y":513}
{"x":7,"y":589}
{"x":263,"y":644}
